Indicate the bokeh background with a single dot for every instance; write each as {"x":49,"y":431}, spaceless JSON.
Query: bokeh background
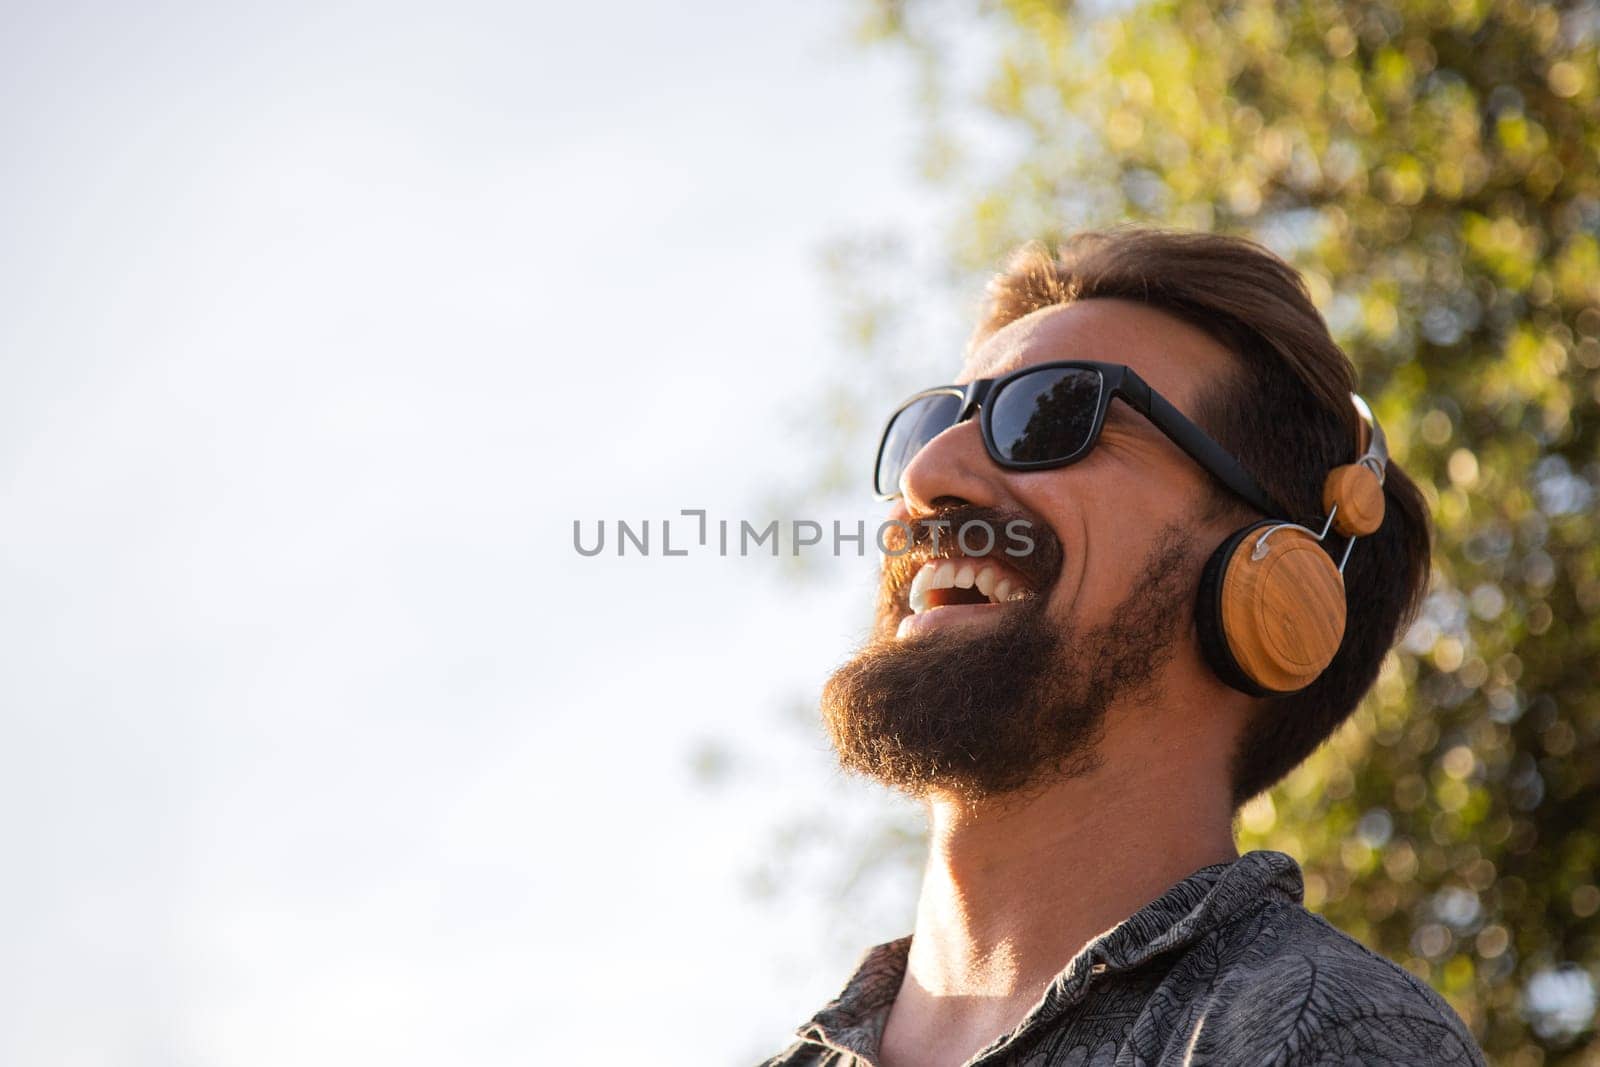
{"x":323,"y":323}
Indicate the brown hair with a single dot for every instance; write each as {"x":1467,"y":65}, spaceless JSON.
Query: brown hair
{"x":1285,"y":413}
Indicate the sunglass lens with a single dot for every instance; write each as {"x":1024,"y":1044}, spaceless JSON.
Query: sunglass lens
{"x":909,"y":429}
{"x":1047,"y":415}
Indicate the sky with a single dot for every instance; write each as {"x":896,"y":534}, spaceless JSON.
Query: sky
{"x":319,"y":743}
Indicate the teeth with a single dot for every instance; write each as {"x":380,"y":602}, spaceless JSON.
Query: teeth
{"x":985,"y":582}
{"x":962,"y":574}
{"x":919,"y":589}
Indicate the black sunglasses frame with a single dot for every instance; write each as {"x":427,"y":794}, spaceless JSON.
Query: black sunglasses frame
{"x":1116,"y":380}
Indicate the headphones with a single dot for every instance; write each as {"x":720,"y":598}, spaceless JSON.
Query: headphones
{"x":1271,"y":609}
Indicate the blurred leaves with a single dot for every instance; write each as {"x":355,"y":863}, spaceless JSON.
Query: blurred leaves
{"x":1434,"y":170}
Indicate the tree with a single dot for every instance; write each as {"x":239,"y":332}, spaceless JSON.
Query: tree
{"x":1434,"y":171}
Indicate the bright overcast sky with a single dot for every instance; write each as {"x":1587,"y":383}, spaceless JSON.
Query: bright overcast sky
{"x":319,"y":744}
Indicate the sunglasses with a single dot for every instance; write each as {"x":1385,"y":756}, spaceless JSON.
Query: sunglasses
{"x":1049,"y":415}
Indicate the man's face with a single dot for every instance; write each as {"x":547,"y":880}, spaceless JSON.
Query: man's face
{"x":986,"y":698}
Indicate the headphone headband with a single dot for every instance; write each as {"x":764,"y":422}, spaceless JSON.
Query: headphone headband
{"x":1376,"y":456}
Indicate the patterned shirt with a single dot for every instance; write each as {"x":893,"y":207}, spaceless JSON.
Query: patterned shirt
{"x":1226,"y":967}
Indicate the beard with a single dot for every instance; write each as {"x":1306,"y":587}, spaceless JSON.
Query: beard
{"x":1016,"y":704}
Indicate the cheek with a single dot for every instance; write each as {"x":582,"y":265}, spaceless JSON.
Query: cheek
{"x":1106,"y":536}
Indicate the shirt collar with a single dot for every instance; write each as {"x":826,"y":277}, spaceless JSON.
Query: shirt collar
{"x":1209,"y":898}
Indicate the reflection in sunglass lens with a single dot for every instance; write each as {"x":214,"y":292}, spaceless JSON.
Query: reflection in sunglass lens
{"x":914,"y":426}
{"x":1046,"y":415}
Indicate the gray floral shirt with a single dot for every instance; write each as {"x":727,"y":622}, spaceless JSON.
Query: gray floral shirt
{"x":1226,"y":967}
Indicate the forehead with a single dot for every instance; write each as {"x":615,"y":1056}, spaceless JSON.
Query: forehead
{"x":1177,"y":359}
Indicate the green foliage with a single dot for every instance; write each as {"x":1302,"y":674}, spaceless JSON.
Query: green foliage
{"x":1434,"y":170}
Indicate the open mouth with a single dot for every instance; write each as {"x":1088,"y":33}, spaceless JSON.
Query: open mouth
{"x":949,"y":590}
{"x":944,"y":582}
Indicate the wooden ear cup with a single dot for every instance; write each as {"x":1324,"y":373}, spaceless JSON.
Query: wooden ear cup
{"x":1208,"y":615}
{"x":1357,"y":494}
{"x":1270,"y":625}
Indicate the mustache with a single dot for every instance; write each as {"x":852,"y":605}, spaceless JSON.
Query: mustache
{"x":938,"y":535}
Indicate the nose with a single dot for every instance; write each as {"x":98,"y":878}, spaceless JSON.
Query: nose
{"x":953,"y":468}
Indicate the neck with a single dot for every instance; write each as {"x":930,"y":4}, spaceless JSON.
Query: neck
{"x":1014,"y":889}
{"x":1010,"y":895}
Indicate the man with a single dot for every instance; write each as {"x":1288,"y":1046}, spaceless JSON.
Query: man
{"x":1083,"y":709}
